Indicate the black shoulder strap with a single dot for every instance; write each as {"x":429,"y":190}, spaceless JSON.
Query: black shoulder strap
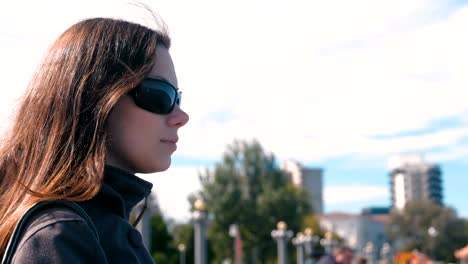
{"x":15,"y":237}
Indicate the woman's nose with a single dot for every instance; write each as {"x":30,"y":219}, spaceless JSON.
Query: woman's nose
{"x":178,"y":117}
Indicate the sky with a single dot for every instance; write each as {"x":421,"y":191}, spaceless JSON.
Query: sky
{"x":338,"y":85}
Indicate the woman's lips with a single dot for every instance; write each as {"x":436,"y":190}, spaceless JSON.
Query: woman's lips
{"x":174,"y":141}
{"x":171,"y":143}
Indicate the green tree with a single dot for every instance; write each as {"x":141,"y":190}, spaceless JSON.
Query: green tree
{"x":466,"y":227}
{"x":163,"y":248}
{"x":311,"y":221}
{"x":184,"y":234}
{"x":429,"y":228}
{"x":247,"y":188}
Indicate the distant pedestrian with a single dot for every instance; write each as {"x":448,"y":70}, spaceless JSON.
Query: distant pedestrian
{"x":341,"y":255}
{"x":361,"y":260}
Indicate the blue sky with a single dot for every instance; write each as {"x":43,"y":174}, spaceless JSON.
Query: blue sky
{"x":341,"y":85}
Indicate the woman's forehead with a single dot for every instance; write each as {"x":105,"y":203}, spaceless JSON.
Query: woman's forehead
{"x":163,"y":67}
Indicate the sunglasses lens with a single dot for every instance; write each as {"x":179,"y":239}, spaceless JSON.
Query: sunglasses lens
{"x":156,"y":96}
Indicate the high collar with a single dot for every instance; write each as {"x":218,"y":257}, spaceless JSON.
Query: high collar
{"x":121,"y":191}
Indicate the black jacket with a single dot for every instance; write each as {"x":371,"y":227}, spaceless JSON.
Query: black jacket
{"x":57,"y":234}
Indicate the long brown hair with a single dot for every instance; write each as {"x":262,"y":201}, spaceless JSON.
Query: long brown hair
{"x":56,"y":147}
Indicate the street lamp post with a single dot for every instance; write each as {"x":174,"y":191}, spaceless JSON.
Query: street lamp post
{"x":310,"y":240}
{"x":181,"y":248}
{"x":299,"y":241}
{"x":199,"y":217}
{"x":328,"y":242}
{"x":369,"y":252}
{"x":234,"y":232}
{"x":282,"y":236}
{"x":385,"y":253}
{"x":433,"y":233}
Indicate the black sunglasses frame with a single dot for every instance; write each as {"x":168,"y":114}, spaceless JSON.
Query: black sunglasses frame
{"x":141,"y":95}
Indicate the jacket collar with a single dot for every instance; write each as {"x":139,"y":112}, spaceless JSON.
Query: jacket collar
{"x":121,"y":191}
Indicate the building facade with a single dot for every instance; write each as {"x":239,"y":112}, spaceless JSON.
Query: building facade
{"x":309,"y":179}
{"x":414,"y":179}
{"x":357,"y":230}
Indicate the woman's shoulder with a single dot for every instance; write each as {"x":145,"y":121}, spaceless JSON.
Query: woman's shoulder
{"x":56,"y":233}
{"x":52,"y":214}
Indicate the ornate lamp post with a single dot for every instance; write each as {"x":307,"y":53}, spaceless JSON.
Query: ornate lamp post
{"x":433,"y":233}
{"x":369,"y":252}
{"x":385,"y":253}
{"x":299,"y":241}
{"x":234,"y":232}
{"x":181,"y":248}
{"x":199,"y":217}
{"x":328,"y":242}
{"x":282,"y":236}
{"x":310,"y":240}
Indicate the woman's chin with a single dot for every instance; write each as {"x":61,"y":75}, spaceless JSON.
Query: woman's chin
{"x":157,"y":167}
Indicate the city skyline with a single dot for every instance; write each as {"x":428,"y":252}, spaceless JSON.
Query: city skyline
{"x":340,"y":194}
{"x":339,"y":85}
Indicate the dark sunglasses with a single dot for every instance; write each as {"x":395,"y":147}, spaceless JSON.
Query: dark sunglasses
{"x":156,"y":96}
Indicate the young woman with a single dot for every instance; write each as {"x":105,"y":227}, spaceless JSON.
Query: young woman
{"x":103,"y":106}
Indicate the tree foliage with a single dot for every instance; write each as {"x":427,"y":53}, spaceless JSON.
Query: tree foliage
{"x":247,"y":188}
{"x":429,"y":228}
{"x":311,"y":221}
{"x":163,"y":248}
{"x":466,"y":227}
{"x":184,"y":234}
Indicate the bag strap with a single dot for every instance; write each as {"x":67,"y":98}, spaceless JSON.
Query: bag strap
{"x":15,"y":237}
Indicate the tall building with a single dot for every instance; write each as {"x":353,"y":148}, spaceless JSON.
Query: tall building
{"x":412,"y":179}
{"x":309,"y":179}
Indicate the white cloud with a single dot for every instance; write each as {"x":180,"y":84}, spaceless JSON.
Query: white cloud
{"x":294,"y":144}
{"x":456,"y":152}
{"x":309,"y":105}
{"x":304,"y":77}
{"x":334,"y":195}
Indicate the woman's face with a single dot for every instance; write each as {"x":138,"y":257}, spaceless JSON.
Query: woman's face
{"x":140,"y":141}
